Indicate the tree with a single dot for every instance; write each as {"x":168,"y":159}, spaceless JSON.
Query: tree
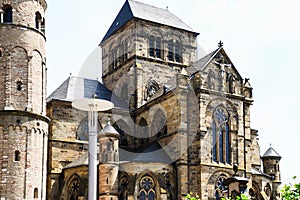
{"x":291,"y":191}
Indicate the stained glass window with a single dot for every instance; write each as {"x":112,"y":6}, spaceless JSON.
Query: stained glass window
{"x":214,"y":153}
{"x":147,"y":188}
{"x":221,"y":136}
{"x":220,"y":187}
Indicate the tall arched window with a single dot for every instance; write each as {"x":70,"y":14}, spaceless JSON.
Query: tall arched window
{"x":174,"y":51}
{"x":123,"y":188}
{"x":221,"y":136}
{"x":35,"y":193}
{"x":124,"y":51}
{"x":147,"y":188}
{"x":8,"y":14}
{"x":38,"y":20}
{"x":155,"y":47}
{"x":211,"y":80}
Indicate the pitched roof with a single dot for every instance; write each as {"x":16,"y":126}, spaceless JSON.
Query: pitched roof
{"x":151,"y":153}
{"x":271,"y":153}
{"x":76,"y":87}
{"x":202,"y":62}
{"x":134,"y":9}
{"x":81,"y":161}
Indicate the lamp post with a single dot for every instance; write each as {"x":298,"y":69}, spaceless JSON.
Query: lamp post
{"x":92,"y":106}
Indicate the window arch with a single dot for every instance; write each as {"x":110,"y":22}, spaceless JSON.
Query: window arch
{"x":220,"y":187}
{"x":221,"y":136}
{"x":147,"y":188}
{"x":150,"y":89}
{"x":123,"y":185}
{"x":113,"y":59}
{"x":38,"y":20}
{"x":124,"y":50}
{"x":7,"y":14}
{"x":211,"y":80}
{"x":35,"y":193}
{"x":155,"y":47}
{"x":74,"y":188}
{"x":174,"y":51}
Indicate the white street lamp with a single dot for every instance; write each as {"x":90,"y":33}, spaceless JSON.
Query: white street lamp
{"x":93,"y":106}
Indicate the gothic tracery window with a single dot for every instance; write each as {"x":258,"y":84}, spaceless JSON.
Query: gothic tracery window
{"x":123,"y":188}
{"x":220,"y":187}
{"x":74,"y":186}
{"x":221,"y":136}
{"x":147,"y":188}
{"x":151,"y":88}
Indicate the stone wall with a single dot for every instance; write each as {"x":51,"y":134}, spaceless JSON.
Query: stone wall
{"x":64,"y":144}
{"x":23,"y":155}
{"x":22,"y":64}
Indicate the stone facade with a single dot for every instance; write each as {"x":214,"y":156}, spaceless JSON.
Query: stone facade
{"x":23,"y":121}
{"x":179,"y":125}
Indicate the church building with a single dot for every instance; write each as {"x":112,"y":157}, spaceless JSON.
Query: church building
{"x":179,"y":124}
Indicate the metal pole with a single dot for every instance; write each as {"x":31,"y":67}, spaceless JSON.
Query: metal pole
{"x":92,"y":156}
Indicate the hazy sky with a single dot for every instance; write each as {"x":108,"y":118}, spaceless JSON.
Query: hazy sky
{"x":260,"y":37}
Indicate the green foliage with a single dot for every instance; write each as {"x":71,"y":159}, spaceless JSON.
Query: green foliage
{"x":242,"y":197}
{"x":191,"y":197}
{"x":291,"y":191}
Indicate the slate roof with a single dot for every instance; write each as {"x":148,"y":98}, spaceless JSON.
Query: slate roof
{"x":202,"y":62}
{"x":271,"y":153}
{"x":81,"y":161}
{"x":134,"y":9}
{"x":152,"y":153}
{"x":76,"y":88}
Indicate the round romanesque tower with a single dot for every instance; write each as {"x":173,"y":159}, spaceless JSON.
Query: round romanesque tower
{"x":23,"y":121}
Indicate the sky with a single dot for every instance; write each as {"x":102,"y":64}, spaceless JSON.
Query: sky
{"x":260,"y":37}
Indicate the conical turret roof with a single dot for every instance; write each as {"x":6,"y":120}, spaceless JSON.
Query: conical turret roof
{"x":271,"y":153}
{"x":109,"y":130}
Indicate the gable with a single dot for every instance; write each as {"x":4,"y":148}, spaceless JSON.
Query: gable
{"x":215,"y":61}
{"x":134,"y":9}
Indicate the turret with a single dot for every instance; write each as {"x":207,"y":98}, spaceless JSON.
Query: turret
{"x":108,"y":163}
{"x":23,"y":121}
{"x":271,"y":161}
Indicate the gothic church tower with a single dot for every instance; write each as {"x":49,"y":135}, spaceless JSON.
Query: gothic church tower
{"x":23,"y":121}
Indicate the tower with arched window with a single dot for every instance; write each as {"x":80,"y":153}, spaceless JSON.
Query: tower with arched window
{"x":23,"y":121}
{"x":183,"y":125}
{"x":135,"y":48}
